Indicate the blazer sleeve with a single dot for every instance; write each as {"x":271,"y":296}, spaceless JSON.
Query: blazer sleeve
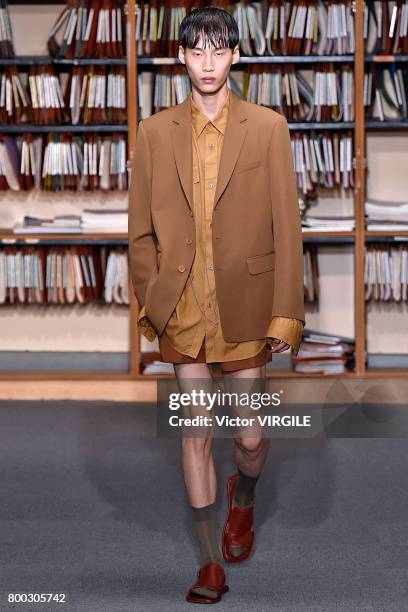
{"x":288,"y":299}
{"x":142,"y":238}
{"x":144,"y":326}
{"x":287,"y":330}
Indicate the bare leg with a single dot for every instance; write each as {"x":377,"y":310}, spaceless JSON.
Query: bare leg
{"x":198,"y":466}
{"x":197,"y":459}
{"x":251,"y":450}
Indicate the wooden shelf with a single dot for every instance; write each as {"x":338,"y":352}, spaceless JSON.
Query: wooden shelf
{"x":256,"y":59}
{"x":64,"y":375}
{"x":55,"y":127}
{"x":8,"y":237}
{"x":35,"y":60}
{"x":321,"y":125}
{"x":386,"y":234}
{"x":358,"y":237}
{"x":388,"y":124}
{"x":386,"y":58}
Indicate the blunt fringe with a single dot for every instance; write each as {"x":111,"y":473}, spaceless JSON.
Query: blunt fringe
{"x":215,"y":25}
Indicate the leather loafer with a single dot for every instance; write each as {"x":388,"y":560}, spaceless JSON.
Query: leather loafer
{"x":210,"y":576}
{"x":238,"y":528}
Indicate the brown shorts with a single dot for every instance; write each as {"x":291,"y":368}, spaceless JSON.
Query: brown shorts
{"x":170,"y":355}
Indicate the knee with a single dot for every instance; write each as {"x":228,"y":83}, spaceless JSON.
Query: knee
{"x":251,"y":445}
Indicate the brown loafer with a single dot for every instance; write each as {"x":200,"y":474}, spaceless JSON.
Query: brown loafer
{"x":238,"y":528}
{"x":211,"y":576}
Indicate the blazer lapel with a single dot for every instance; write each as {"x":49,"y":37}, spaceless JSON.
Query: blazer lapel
{"x":181,"y":138}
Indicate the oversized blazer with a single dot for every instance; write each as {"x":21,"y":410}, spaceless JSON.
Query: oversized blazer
{"x":256,"y":227}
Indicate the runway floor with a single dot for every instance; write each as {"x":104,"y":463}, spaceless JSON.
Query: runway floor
{"x":93,"y":505}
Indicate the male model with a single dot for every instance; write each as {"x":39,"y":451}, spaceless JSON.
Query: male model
{"x":216,"y":256}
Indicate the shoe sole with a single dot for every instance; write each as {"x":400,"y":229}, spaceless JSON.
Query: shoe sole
{"x":206,"y":600}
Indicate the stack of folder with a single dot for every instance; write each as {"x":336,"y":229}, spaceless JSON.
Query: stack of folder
{"x":103,"y":162}
{"x":6,"y":31}
{"x":47,"y":99}
{"x":104,"y":220}
{"x":151,"y":365}
{"x":324,"y":159}
{"x":15,"y":106}
{"x":89,"y":28}
{"x":385,"y":91}
{"x":326,"y":223}
{"x":93,"y":94}
{"x":10,"y":177}
{"x":77,"y":274}
{"x":97,"y":94}
{"x":116,"y":275}
{"x":66,"y":162}
{"x":386,"y":273}
{"x":386,"y":215}
{"x":59,"y":224}
{"x":50,"y":275}
{"x":171,"y":86}
{"x":324,"y":353}
{"x":385,"y":27}
{"x":275,"y":27}
{"x":286,"y":90}
{"x":296,"y":28}
{"x":89,"y":221}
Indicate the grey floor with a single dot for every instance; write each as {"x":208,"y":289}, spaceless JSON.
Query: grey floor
{"x":93,"y":505}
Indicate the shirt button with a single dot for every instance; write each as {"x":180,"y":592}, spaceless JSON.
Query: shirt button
{"x":210,"y":185}
{"x":211,"y":267}
{"x":212,"y":146}
{"x":188,"y":241}
{"x":181,"y":268}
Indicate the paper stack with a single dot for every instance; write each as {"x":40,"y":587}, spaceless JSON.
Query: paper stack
{"x":325,"y":353}
{"x":110,"y":220}
{"x":313,"y":223}
{"x":386,"y":215}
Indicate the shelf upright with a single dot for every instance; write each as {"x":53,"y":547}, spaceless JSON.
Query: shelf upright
{"x":359,"y":195}
{"x":132,"y":108}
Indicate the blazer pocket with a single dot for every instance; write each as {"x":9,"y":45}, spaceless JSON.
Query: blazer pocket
{"x":247,"y":166}
{"x":261,"y":263}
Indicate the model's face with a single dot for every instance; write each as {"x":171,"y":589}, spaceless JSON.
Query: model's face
{"x":208,"y":69}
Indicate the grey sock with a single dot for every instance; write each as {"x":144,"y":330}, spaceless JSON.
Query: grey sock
{"x":245,"y":489}
{"x":204,"y":524}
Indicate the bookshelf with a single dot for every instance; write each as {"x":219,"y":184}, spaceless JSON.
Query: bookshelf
{"x":7,"y":237}
{"x":357,"y":238}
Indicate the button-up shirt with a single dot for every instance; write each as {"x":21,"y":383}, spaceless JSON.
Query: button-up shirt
{"x":196,"y":315}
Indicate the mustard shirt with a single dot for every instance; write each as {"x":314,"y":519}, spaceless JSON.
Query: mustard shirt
{"x":196,"y":315}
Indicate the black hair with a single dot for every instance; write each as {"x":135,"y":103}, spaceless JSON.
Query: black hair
{"x":216,"y":26}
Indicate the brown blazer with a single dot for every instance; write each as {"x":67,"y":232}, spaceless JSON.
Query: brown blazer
{"x":256,"y":228}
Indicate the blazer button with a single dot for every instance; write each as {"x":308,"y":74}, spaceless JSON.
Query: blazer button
{"x":181,"y":268}
{"x":188,"y":241}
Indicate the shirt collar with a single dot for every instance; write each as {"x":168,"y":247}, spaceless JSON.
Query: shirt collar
{"x":199,"y":119}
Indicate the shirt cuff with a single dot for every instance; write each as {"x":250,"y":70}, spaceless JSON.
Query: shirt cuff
{"x":145,"y":326}
{"x":286,"y":329}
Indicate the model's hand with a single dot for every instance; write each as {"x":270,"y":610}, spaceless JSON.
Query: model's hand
{"x":278,"y":346}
